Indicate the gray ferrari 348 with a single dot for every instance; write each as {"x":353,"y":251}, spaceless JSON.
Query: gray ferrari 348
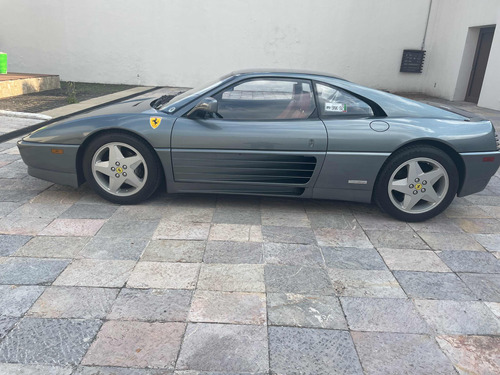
{"x":275,"y":133}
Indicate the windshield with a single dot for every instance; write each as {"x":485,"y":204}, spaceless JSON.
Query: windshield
{"x":184,"y":98}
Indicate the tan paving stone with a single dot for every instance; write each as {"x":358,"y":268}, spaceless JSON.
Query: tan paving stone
{"x":136,"y":344}
{"x":164,"y":275}
{"x":365,"y":283}
{"x":73,"y":227}
{"x":472,"y":354}
{"x":230,"y":232}
{"x":342,"y":238}
{"x":171,"y":230}
{"x":413,"y":260}
{"x":25,"y":226}
{"x":52,"y":247}
{"x":228,"y":307}
{"x":96,"y":272}
{"x":232,"y":277}
{"x":451,"y":241}
{"x":482,"y":226}
{"x":74,"y":302}
{"x":184,"y":251}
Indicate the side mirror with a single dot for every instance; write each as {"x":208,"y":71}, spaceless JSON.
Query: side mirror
{"x":207,"y":105}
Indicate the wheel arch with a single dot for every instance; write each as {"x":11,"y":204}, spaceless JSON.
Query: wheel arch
{"x":94,"y":135}
{"x":450,"y":151}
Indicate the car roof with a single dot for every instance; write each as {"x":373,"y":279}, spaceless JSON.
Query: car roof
{"x":289,"y":72}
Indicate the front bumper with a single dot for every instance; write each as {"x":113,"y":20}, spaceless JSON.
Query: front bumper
{"x":479,"y":168}
{"x":52,"y":162}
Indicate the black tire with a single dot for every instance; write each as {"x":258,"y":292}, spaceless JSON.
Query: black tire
{"x":151,"y":178}
{"x":381,"y":193}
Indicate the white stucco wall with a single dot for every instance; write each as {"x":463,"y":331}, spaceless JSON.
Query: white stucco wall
{"x":451,"y":47}
{"x":187,"y":42}
{"x":490,"y":92}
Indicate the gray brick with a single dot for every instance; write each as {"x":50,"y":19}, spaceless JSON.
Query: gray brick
{"x":451,"y":241}
{"x":288,"y":235}
{"x":293,"y":254}
{"x":471,"y":261}
{"x":398,"y":354}
{"x":9,"y":244}
{"x":459,"y":317}
{"x":308,"y":351}
{"x":233,"y":252}
{"x":383,"y":315}
{"x":431,"y":285}
{"x":16,"y":300}
{"x":48,"y":341}
{"x":396,"y":239}
{"x":20,"y":369}
{"x":353,"y":258}
{"x":237,"y":215}
{"x":490,"y":242}
{"x":287,"y":309}
{"x":128,"y":228}
{"x":6,"y":323}
{"x":93,"y":370}
{"x":88,"y":211}
{"x":297,"y":279}
{"x":30,"y":270}
{"x":486,"y":287}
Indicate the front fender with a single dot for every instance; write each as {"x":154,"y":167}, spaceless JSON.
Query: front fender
{"x":74,"y":132}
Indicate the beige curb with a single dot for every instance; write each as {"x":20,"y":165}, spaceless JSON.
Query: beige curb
{"x":72,"y":108}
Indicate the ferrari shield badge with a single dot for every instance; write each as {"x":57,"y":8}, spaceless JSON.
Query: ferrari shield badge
{"x":154,"y":122}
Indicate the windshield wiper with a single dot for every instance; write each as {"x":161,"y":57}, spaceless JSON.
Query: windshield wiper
{"x":157,"y":103}
{"x":162,"y":100}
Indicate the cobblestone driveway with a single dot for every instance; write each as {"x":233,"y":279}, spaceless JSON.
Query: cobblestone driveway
{"x":201,"y":284}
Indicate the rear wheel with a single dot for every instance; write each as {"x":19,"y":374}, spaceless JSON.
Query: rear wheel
{"x":121,"y":168}
{"x":417,"y":183}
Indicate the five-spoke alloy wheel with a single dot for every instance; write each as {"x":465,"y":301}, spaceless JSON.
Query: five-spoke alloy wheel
{"x":417,"y":183}
{"x":121,"y":168}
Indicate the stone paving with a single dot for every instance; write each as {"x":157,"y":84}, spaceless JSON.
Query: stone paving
{"x":222,"y":285}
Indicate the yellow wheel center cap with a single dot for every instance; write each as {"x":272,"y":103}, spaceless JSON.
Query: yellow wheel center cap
{"x":119,"y":170}
{"x":417,"y":186}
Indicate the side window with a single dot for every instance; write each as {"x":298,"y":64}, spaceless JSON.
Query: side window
{"x":267,"y":99}
{"x":337,"y":102}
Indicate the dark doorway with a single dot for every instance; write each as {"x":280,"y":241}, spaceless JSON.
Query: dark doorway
{"x":480,"y":62}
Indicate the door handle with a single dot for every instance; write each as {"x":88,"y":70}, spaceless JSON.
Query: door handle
{"x":311,"y":143}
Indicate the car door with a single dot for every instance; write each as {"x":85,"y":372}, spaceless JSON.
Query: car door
{"x":356,"y":130}
{"x":266,"y":139}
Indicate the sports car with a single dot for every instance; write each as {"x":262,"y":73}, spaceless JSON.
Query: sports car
{"x":277,"y":133}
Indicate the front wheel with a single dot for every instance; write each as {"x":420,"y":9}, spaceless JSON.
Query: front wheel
{"x":417,"y":183}
{"x":121,"y":168}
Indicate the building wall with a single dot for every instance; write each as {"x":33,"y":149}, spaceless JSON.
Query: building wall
{"x":452,"y":39}
{"x":490,"y":92}
{"x":187,"y":42}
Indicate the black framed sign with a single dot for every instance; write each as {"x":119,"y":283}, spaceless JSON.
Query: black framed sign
{"x":412,"y":61}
